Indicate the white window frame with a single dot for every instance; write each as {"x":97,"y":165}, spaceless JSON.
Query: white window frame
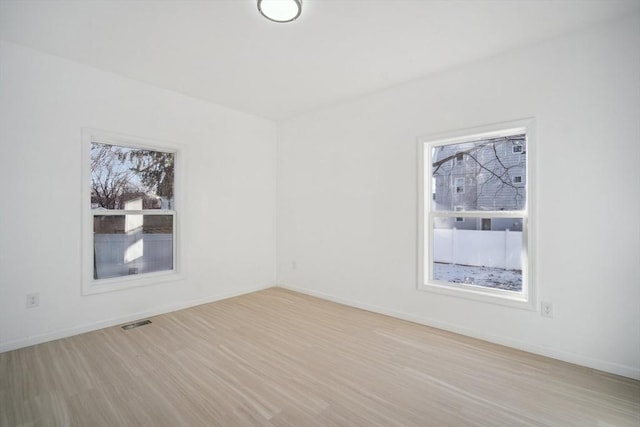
{"x":455,"y":184}
{"x":90,"y":285}
{"x":527,"y":298}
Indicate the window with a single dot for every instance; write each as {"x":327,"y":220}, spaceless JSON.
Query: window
{"x":489,"y":257}
{"x":517,"y":149}
{"x":129,"y":225}
{"x":459,"y":218}
{"x":459,"y":157}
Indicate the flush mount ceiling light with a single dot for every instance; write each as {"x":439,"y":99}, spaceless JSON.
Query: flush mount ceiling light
{"x":280,"y":10}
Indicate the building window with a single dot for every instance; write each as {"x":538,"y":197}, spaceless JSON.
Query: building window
{"x":459,"y":157}
{"x":130,"y":226}
{"x":490,"y":257}
{"x":517,"y":149}
{"x":459,"y":218}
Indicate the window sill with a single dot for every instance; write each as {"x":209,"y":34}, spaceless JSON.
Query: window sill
{"x":92,"y":287}
{"x":481,"y":294}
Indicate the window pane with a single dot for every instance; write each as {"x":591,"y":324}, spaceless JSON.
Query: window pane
{"x":472,"y":254}
{"x":131,"y":244}
{"x":480,"y":175}
{"x":131,"y":178}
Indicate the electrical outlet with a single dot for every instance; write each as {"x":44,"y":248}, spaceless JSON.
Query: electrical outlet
{"x":33,"y":300}
{"x":546,"y":309}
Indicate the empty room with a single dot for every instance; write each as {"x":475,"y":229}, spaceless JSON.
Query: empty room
{"x":320,"y":213}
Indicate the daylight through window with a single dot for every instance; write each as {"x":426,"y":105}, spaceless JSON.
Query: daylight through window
{"x":132,"y":211}
{"x":475,"y":210}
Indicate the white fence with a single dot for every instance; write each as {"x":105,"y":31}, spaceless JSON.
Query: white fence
{"x":500,"y":249}
{"x":123,"y":254}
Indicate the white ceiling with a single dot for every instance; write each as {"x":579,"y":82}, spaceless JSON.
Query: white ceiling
{"x":222,"y":50}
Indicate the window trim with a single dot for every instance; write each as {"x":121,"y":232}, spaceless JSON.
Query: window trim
{"x":90,"y":285}
{"x":528,"y":298}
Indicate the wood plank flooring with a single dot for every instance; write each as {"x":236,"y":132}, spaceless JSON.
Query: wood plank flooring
{"x":279,"y":358}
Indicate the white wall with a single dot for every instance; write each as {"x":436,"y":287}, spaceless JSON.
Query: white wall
{"x":228,"y":209}
{"x":347,"y":202}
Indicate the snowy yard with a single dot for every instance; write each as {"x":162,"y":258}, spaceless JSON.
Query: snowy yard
{"x":499,"y":278}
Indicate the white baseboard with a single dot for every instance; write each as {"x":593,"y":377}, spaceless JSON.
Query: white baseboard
{"x":601,"y":365}
{"x":67,"y":332}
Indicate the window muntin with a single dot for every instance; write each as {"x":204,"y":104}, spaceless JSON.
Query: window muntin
{"x":488,"y":255}
{"x":130,"y":223}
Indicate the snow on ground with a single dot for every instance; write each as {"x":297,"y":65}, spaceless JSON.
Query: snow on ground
{"x":499,"y":278}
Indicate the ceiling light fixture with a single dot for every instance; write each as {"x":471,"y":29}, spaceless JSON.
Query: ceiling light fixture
{"x":280,"y":10}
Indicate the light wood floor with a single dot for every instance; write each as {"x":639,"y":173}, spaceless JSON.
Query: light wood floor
{"x":278,"y":358}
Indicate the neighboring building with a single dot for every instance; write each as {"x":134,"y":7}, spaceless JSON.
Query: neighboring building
{"x":480,"y":175}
